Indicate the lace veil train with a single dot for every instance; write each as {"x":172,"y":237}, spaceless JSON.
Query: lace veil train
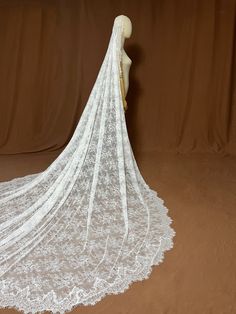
{"x":88,"y":225}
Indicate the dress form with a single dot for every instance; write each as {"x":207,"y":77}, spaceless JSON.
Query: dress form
{"x":125,"y":60}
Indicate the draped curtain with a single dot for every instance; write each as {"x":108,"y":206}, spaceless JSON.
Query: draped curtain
{"x":181,"y":97}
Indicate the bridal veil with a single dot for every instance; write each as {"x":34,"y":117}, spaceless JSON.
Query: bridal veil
{"x":88,"y":225}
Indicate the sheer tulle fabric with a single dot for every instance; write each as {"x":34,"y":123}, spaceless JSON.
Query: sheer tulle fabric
{"x":88,"y":225}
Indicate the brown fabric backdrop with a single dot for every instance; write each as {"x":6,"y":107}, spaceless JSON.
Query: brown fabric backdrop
{"x":182,"y":81}
{"x":181,"y":99}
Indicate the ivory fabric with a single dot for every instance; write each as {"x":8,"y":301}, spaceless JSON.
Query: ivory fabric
{"x":88,"y":225}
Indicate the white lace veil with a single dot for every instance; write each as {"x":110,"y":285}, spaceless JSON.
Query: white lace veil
{"x":88,"y":225}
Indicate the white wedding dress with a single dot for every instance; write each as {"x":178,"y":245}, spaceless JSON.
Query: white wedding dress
{"x":88,"y":225}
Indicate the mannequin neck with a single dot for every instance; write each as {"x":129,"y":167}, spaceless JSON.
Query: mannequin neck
{"x":122,"y":41}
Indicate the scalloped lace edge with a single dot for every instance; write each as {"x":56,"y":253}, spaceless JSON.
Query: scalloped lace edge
{"x":167,"y":244}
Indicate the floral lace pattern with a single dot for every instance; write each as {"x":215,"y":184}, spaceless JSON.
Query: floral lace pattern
{"x":88,"y":225}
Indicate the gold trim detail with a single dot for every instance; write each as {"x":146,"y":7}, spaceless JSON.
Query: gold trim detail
{"x":122,"y":85}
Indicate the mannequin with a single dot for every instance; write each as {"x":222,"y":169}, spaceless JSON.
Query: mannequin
{"x":125,"y":60}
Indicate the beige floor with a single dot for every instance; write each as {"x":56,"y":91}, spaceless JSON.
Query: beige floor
{"x":198,"y":276}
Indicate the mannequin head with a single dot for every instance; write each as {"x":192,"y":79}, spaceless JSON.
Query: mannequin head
{"x":126,"y":23}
